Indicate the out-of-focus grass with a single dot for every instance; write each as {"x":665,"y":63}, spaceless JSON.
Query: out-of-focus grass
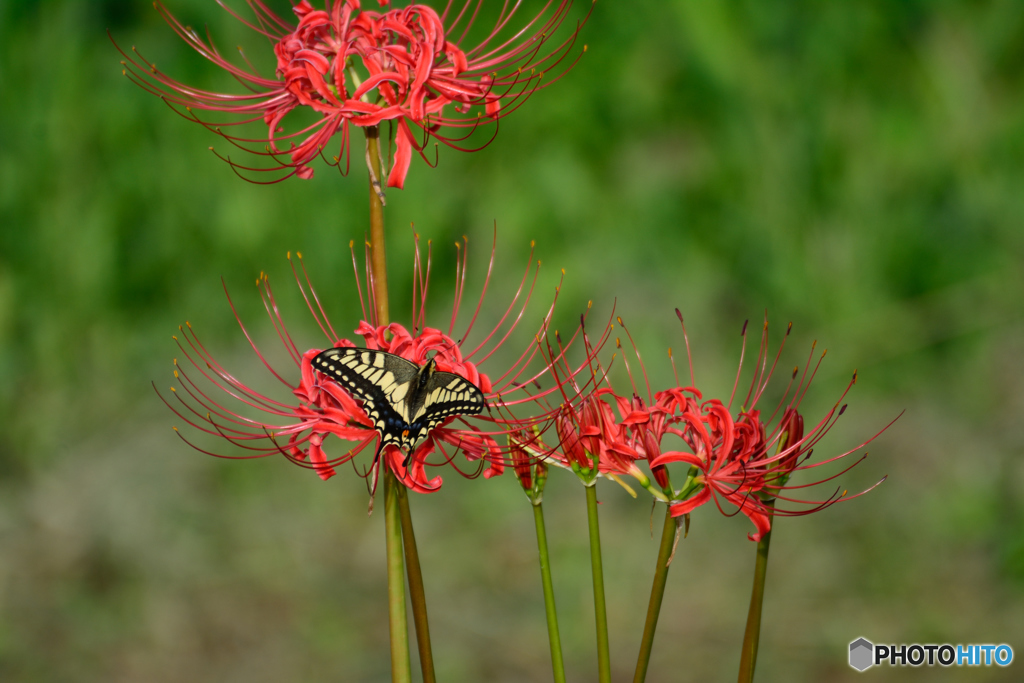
{"x":855,"y":168}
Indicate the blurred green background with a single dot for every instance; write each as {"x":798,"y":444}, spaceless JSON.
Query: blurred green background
{"x":856,"y":168}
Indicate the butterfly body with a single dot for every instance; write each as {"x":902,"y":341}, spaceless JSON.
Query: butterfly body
{"x":405,"y":401}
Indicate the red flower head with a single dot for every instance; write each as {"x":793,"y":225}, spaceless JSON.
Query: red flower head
{"x":744,"y":460}
{"x":362,"y":67}
{"x":591,"y":435}
{"x":596,"y":438}
{"x":526,"y":453}
{"x":299,"y":428}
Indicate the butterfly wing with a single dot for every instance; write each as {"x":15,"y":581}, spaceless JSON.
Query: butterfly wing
{"x":382,"y":380}
{"x":444,"y":395}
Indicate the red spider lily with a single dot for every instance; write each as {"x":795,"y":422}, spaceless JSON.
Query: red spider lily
{"x":649,"y":426}
{"x":726,"y":453}
{"x":592,"y":439}
{"x":591,"y":435}
{"x":742,"y":460}
{"x":526,"y":453}
{"x":298,"y":428}
{"x":362,"y":67}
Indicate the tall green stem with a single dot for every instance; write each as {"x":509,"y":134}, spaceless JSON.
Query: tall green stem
{"x":378,"y":255}
{"x":401,"y":667}
{"x":600,"y":610}
{"x":668,"y":534}
{"x":748,"y":657}
{"x":416,"y":592}
{"x":557,"y":666}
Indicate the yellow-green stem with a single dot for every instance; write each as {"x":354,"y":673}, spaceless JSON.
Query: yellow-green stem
{"x":416,"y":592}
{"x":401,"y":667}
{"x":668,"y":534}
{"x":748,"y":657}
{"x":557,"y":666}
{"x":604,"y":674}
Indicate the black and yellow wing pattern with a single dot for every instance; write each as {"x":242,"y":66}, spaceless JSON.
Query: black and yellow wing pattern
{"x":405,"y":401}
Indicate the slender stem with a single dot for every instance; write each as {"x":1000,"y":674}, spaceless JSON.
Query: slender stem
{"x":378,"y":260}
{"x":557,"y":666}
{"x":401,"y":669}
{"x":600,"y":611}
{"x":419,"y":601}
{"x":668,"y":534}
{"x":748,"y":658}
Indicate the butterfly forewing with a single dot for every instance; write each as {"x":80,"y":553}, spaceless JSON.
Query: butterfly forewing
{"x":382,"y":380}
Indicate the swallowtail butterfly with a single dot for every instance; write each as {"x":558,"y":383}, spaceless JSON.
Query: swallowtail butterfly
{"x":405,"y":401}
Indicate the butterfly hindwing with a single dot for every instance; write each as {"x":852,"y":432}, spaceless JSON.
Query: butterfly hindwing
{"x":403,"y":400}
{"x":445,"y":395}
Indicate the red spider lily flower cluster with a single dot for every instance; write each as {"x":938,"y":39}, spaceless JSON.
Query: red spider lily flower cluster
{"x":319,"y":407}
{"x":592,"y":440}
{"x":592,"y":435}
{"x":362,"y":67}
{"x":745,"y":460}
{"x":526,"y":455}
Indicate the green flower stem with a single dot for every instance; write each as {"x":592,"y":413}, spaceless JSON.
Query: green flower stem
{"x":401,"y":668}
{"x":378,"y":259}
{"x":668,"y":534}
{"x":419,"y":601}
{"x":748,"y":657}
{"x":557,"y":666}
{"x":600,"y":610}
{"x":654,"y":491}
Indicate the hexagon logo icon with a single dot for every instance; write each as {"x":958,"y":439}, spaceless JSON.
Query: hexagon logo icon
{"x":861,"y":654}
